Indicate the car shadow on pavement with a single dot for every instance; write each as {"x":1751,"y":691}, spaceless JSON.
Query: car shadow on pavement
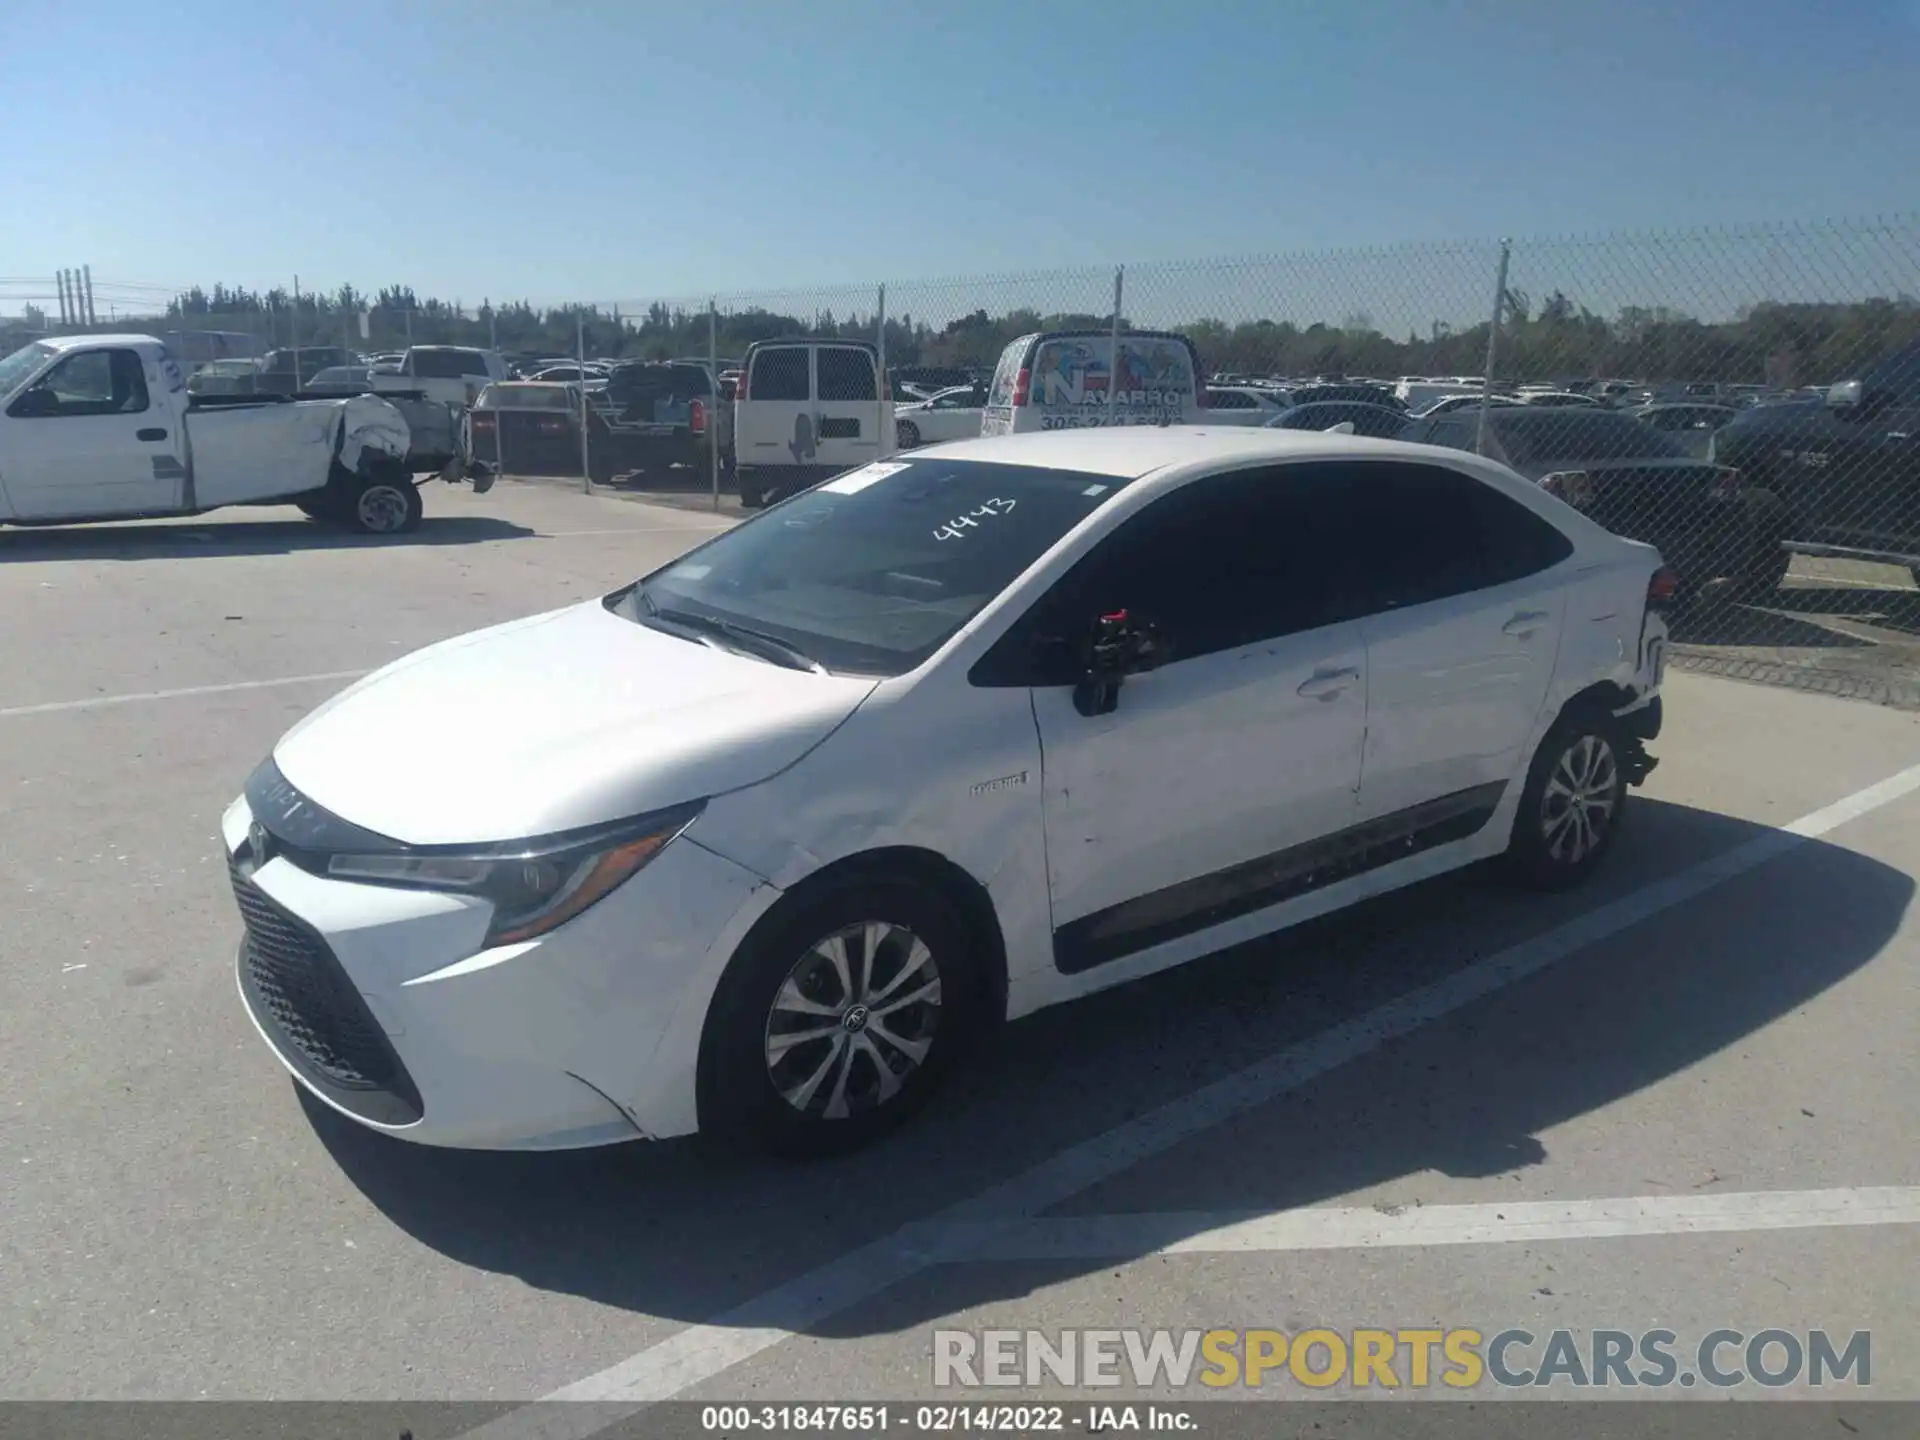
{"x":177,"y":539}
{"x":686,"y":1230}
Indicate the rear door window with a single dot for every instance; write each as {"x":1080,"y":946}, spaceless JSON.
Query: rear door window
{"x":1413,"y":534}
{"x":846,"y":374}
{"x":780,"y":373}
{"x":447,"y":364}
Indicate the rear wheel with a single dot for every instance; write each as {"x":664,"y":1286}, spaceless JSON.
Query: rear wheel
{"x":1571,"y":806}
{"x":385,"y":504}
{"x":907,"y":434}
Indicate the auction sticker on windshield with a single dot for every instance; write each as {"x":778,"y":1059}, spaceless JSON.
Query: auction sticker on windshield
{"x":855,"y":481}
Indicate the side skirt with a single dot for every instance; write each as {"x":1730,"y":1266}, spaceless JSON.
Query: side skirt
{"x":1208,"y":900}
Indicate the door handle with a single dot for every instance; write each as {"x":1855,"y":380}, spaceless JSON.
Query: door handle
{"x":1325,"y":684}
{"x":150,"y":433}
{"x":1524,"y":624}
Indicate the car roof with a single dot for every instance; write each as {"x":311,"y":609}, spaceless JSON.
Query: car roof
{"x":866,"y":345}
{"x":62,"y":343}
{"x":1131,"y":451}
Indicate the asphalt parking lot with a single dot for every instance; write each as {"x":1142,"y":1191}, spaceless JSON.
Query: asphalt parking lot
{"x":1683,"y":1097}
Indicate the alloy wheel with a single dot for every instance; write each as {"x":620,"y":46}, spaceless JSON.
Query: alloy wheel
{"x":854,"y":1020}
{"x":1581,"y":794}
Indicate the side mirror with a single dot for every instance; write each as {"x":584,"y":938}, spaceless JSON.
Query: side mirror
{"x":1847,"y":395}
{"x":1120,"y":645}
{"x":37,"y":404}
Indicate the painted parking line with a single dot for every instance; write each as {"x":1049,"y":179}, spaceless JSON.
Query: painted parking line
{"x":1366,"y":1227}
{"x":101,"y":702}
{"x":700,"y":1352}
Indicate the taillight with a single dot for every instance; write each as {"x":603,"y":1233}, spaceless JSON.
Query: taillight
{"x":697,"y":417}
{"x":1662,"y":588}
{"x":1729,"y":483}
{"x":1022,"y":384}
{"x":740,"y":387}
{"x":483,"y":420}
{"x":886,"y":387}
{"x":551,"y":425}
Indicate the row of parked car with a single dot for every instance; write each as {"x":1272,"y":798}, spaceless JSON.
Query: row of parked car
{"x":1729,"y":482}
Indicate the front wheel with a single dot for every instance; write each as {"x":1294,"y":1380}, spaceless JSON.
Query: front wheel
{"x":840,"y":1019}
{"x":388,"y":505}
{"x":1571,"y":806}
{"x":907,"y":434}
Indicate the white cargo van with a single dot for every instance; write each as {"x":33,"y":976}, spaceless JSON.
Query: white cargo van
{"x":1065,"y":380}
{"x":805,"y":411}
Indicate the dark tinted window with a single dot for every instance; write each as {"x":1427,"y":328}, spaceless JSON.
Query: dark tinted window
{"x":845,"y":374}
{"x":1230,"y":400}
{"x":1411,"y":534}
{"x":450,"y":364}
{"x":780,"y":374}
{"x":1547,"y":436}
{"x":1454,"y":434}
{"x":1222,"y":563}
{"x":691,"y":380}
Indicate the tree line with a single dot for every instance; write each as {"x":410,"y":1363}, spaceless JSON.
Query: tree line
{"x":1787,"y":343}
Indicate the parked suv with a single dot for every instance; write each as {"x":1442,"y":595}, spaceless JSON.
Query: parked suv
{"x":1846,"y":468}
{"x":805,"y":410}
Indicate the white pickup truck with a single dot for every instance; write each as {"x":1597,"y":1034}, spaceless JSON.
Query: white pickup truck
{"x":451,"y":374}
{"x":101,"y":427}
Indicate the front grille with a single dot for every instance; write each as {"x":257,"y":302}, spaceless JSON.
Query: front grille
{"x":300,"y":993}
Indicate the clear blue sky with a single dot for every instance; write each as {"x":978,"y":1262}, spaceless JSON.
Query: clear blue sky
{"x":637,"y":148}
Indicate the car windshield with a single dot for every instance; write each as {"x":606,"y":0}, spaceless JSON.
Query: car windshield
{"x":874,"y":571}
{"x":1548,"y":436}
{"x":20,"y":364}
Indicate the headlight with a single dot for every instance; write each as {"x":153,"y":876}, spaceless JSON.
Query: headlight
{"x":534,"y":886}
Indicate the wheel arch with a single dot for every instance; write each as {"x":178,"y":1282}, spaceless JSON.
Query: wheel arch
{"x":1609,"y":697}
{"x":968,"y":895}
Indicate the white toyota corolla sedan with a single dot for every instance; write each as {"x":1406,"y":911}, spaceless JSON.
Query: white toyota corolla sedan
{"x":761,"y":842}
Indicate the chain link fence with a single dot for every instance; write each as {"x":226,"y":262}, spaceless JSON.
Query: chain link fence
{"x":1746,"y":399}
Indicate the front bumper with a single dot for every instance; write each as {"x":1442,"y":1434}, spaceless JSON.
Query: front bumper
{"x":383,"y":1004}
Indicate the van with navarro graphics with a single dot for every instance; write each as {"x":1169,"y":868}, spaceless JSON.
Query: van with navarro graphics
{"x":1066,"y":380}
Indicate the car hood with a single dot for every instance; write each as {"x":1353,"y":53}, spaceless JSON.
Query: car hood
{"x":562,"y":720}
